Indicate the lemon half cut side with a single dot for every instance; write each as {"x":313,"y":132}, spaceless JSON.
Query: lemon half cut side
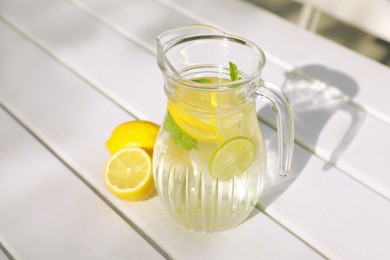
{"x":128,"y":174}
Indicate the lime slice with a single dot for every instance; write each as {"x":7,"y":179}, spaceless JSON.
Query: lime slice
{"x":232,"y":158}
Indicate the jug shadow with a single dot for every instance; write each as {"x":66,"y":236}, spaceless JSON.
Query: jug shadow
{"x":316,"y":94}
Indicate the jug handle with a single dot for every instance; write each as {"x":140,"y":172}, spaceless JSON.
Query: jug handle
{"x":284,"y":123}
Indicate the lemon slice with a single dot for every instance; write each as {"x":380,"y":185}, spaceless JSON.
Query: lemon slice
{"x":197,"y":111}
{"x":199,"y":127}
{"x":232,"y":159}
{"x":128,"y":174}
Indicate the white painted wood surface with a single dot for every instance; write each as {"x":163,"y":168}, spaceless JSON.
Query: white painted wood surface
{"x":63,"y":126}
{"x":94,"y":61}
{"x":334,"y":130}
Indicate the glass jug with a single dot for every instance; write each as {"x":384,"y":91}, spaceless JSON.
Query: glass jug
{"x":210,"y":158}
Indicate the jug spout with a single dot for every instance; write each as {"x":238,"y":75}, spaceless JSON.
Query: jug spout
{"x":168,"y":58}
{"x":163,"y":41}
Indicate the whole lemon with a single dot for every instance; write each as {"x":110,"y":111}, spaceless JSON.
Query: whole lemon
{"x":133,"y":134}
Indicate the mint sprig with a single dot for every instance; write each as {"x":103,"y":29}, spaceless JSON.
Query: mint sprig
{"x":202,"y":80}
{"x":233,"y":72}
{"x":180,"y":137}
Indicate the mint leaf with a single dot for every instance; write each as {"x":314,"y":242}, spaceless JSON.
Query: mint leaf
{"x":180,"y":137}
{"x":169,"y":124}
{"x":233,"y":71}
{"x":202,"y":80}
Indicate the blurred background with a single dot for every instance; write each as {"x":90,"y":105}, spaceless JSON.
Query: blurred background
{"x":360,"y":25}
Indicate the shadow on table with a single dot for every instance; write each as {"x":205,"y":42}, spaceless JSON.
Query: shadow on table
{"x":316,"y":93}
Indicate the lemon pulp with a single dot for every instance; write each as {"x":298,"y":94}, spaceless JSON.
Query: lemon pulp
{"x":198,"y":111}
{"x":128,"y":174}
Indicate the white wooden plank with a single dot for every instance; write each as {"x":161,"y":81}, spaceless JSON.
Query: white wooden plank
{"x":328,"y":209}
{"x":339,"y":126}
{"x":47,"y":212}
{"x":90,"y":118}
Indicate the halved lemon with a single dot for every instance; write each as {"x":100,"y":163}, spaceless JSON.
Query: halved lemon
{"x":128,"y":174}
{"x":232,"y":159}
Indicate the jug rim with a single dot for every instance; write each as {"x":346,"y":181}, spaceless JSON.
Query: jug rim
{"x":217,"y":33}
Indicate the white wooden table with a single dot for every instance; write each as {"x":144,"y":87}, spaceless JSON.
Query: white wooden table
{"x":70,"y":71}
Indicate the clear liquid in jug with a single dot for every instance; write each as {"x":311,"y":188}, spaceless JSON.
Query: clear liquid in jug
{"x":209,"y":159}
